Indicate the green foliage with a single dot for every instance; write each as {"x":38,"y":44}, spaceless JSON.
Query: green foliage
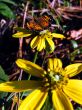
{"x":8,"y":1}
{"x":77,"y":50}
{"x":20,"y":29}
{"x":79,"y":108}
{"x":3,"y":78}
{"x":5,"y":10}
{"x":73,"y":54}
{"x":66,"y":3}
{"x":47,"y":105}
{"x":74,"y":44}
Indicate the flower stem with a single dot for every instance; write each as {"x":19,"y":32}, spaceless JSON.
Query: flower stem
{"x":34,"y":60}
{"x":44,"y":58}
{"x":35,"y":57}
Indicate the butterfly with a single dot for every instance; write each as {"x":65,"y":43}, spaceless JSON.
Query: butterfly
{"x":39,"y":24}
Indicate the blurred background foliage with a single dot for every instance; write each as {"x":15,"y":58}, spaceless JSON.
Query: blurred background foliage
{"x":6,"y":8}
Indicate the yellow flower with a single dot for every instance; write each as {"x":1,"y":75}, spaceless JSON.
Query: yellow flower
{"x":44,"y":41}
{"x":41,"y":41}
{"x":55,"y":80}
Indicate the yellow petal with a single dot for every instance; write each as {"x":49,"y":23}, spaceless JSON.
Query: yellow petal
{"x":72,"y":70}
{"x":19,"y":86}
{"x":50,"y":64}
{"x":41,"y":44}
{"x":30,"y":67}
{"x":34,"y":100}
{"x":58,"y":35}
{"x":38,"y":42}
{"x":74,"y":90}
{"x":21,"y":34}
{"x":34,"y":42}
{"x":50,"y":43}
{"x":55,"y":64}
{"x":61,"y":101}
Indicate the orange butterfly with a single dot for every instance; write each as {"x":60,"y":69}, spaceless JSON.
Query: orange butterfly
{"x":39,"y":24}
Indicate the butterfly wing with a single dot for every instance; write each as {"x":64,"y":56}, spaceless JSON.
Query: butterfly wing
{"x":38,"y":24}
{"x":32,"y":25}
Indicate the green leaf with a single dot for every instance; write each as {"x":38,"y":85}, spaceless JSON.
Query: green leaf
{"x":3,"y":107}
{"x":20,"y":29}
{"x":66,"y":3}
{"x":74,"y":53}
{"x":3,"y":76}
{"x":80,"y":49}
{"x":6,"y":11}
{"x":26,"y":93}
{"x":9,"y":2}
{"x":79,"y":108}
{"x":74,"y":44}
{"x":3,"y":94}
{"x":47,"y":105}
